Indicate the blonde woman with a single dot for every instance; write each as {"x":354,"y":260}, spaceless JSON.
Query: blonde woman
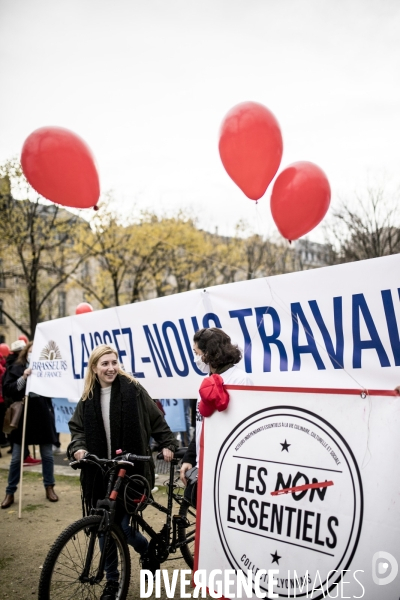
{"x":115,"y":412}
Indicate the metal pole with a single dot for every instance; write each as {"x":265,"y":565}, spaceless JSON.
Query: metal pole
{"x":22,"y":455}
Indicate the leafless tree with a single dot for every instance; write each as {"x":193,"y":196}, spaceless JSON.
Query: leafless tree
{"x":369,"y":227}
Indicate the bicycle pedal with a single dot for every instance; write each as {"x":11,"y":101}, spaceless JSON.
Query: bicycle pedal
{"x":181,"y":520}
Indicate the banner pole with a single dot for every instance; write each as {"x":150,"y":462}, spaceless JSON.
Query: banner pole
{"x":21,"y":475}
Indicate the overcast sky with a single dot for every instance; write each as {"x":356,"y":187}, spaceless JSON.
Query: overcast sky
{"x":147,"y":84}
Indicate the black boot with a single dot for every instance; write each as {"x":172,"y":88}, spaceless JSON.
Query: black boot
{"x":110,"y":591}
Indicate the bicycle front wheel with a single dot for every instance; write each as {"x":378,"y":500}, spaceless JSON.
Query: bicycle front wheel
{"x":186,"y":533}
{"x":80,"y":546}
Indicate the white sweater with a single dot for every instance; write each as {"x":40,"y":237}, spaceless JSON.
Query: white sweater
{"x":105,"y":397}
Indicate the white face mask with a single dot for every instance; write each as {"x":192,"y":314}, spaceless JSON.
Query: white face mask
{"x":200,"y":364}
{"x":28,"y":358}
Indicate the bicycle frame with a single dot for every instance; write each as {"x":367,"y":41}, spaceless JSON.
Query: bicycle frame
{"x":164,"y":535}
{"x":106,"y":508}
{"x":160,"y":543}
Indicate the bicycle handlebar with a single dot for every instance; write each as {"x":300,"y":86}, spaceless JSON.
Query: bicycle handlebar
{"x":122,"y":458}
{"x":133,"y":457}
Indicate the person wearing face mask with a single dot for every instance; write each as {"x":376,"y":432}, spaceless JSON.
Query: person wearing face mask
{"x":40,"y":427}
{"x":214,"y":353}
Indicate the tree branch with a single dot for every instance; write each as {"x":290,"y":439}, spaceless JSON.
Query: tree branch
{"x":91,"y":291}
{"x":20,"y":327}
{"x":62,"y":280}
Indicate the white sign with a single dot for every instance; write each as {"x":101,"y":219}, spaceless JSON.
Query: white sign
{"x":305,"y":483}
{"x":332,"y":327}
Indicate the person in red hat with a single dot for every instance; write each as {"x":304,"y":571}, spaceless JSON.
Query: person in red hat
{"x":214,"y":354}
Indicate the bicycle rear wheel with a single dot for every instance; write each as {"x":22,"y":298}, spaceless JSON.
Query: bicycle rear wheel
{"x":186,"y":533}
{"x":61,"y":574}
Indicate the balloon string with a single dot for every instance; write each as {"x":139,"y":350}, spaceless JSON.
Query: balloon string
{"x":259,"y":220}
{"x":278,"y":300}
{"x":273,"y":294}
{"x":282,"y":304}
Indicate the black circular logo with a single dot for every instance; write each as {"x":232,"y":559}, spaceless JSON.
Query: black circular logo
{"x":288,"y":496}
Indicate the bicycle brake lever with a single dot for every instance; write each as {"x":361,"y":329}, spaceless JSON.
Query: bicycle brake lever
{"x":75,"y":464}
{"x":136,"y":457}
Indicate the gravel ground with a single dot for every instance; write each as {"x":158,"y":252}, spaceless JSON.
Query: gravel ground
{"x":25,"y":542}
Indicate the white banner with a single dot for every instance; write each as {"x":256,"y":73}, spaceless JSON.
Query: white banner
{"x":332,"y":327}
{"x":304,"y":483}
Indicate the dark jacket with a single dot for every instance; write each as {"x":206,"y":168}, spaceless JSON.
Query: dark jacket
{"x":134,"y":418}
{"x":13,"y":372}
{"x":191,"y":454}
{"x":40,"y":421}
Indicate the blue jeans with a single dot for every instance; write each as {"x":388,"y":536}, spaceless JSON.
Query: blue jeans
{"x":46,"y":452}
{"x":134,"y":539}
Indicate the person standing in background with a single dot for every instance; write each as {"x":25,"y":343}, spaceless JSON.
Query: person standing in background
{"x":16,"y":348}
{"x":40,"y":426}
{"x":3,"y":441}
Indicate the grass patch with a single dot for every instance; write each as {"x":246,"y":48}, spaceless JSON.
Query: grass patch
{"x":162,"y":489}
{"x":4,"y":561}
{"x":38,"y":477}
{"x":32,"y":507}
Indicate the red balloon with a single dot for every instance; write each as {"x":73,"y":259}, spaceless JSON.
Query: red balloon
{"x":83,"y":307}
{"x":250,"y":147}
{"x":300,"y":199}
{"x":23,"y":338}
{"x":4,"y":350}
{"x":61,"y":167}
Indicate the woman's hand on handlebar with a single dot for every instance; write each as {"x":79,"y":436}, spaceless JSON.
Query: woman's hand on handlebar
{"x":80,"y":454}
{"x":168,"y":455}
{"x":185,"y":467}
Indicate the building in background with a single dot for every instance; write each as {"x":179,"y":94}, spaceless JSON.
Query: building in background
{"x":312,"y":255}
{"x":110,"y":264}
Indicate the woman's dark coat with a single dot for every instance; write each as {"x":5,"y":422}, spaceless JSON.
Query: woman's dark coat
{"x":40,"y":421}
{"x":134,"y":418}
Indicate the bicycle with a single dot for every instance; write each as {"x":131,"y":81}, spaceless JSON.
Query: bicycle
{"x":76,"y":563}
